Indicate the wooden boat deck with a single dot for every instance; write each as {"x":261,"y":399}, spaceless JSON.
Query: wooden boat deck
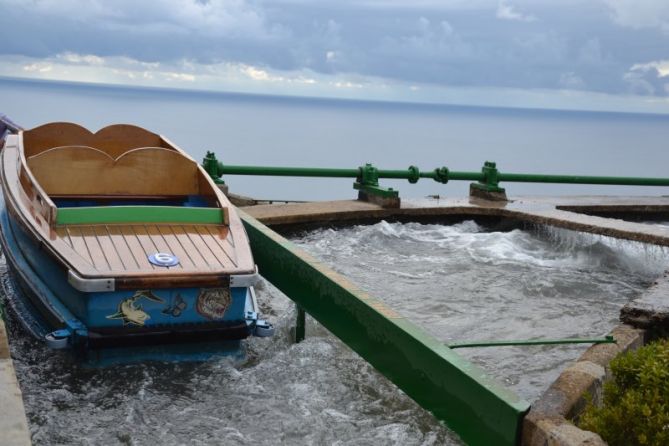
{"x":112,"y":250}
{"x":209,"y":248}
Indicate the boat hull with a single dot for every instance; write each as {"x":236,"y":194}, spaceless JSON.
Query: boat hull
{"x":124,"y":325}
{"x":119,"y":239}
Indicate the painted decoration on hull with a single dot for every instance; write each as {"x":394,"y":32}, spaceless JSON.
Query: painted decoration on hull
{"x":176,"y":306}
{"x":212,"y":303}
{"x":145,"y":308}
{"x":132,"y":313}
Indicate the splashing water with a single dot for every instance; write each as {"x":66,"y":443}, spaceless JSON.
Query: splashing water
{"x":315,"y":392}
{"x":459,"y":282}
{"x":464,"y":283}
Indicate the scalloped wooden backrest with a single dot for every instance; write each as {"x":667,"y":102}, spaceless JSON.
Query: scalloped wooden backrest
{"x":82,"y":170}
{"x":114,"y":139}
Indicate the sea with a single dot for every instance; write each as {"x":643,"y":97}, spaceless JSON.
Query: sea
{"x":256,"y":130}
{"x":464,"y":281}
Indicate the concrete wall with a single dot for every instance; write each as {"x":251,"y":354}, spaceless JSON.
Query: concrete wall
{"x":13,"y":424}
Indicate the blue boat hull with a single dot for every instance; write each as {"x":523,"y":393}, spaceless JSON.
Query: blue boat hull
{"x":123,"y":325}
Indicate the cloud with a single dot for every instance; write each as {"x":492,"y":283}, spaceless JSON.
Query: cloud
{"x":638,"y":84}
{"x":591,"y":52}
{"x":232,"y":18}
{"x":305,"y":46}
{"x":648,"y":78}
{"x":39,"y":67}
{"x":660,"y":67}
{"x":506,"y":11}
{"x":86,"y":59}
{"x":638,"y":14}
{"x":571,"y":81}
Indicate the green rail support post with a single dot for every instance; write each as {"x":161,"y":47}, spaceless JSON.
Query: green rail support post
{"x":212,"y":167}
{"x":490,"y":180}
{"x":367,"y":185}
{"x":480,"y":410}
{"x":300,"y":325}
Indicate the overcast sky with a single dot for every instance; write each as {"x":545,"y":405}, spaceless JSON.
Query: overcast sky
{"x":579,"y":54}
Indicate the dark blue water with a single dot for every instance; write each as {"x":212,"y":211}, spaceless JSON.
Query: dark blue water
{"x":280,"y":131}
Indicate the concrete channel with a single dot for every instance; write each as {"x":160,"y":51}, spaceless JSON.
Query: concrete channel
{"x":547,"y":423}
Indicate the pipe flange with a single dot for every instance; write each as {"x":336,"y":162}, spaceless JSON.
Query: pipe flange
{"x":441,"y":175}
{"x":414,"y":174}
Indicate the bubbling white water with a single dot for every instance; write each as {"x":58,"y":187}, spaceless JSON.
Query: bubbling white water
{"x":315,"y":392}
{"x":463,"y":282}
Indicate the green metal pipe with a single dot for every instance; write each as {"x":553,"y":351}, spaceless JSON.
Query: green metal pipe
{"x":605,"y":340}
{"x":367,"y":176}
{"x":465,"y":176}
{"x":582,"y":179}
{"x":226,"y":169}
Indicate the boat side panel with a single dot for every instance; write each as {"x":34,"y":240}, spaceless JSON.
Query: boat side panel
{"x":48,"y":270}
{"x":166,"y":307}
{"x":38,"y":294}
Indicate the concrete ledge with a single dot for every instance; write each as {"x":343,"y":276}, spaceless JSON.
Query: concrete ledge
{"x":13,"y":423}
{"x":548,"y":421}
{"x":651,"y":309}
{"x":384,"y":202}
{"x":241,"y":200}
{"x":534,"y":210}
{"x":485,"y":194}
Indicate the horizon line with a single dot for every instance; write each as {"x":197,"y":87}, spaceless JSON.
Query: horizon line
{"x":297,"y":97}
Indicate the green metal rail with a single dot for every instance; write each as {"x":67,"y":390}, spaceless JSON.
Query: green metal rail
{"x":367,"y":176}
{"x":472,"y":344}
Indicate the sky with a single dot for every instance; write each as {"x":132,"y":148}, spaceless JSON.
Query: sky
{"x":563,"y":54}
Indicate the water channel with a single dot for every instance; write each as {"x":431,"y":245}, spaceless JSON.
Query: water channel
{"x":461,"y":282}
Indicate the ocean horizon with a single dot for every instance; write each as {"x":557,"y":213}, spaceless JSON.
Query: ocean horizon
{"x":275,"y":130}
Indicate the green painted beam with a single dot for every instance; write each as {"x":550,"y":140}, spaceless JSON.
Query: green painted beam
{"x":138,"y":214}
{"x":477,"y":408}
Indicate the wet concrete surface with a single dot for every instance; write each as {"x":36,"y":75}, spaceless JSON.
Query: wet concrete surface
{"x":553,"y":211}
{"x":651,"y":309}
{"x":13,"y":424}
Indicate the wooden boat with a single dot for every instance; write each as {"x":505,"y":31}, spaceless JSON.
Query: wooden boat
{"x":120,"y":239}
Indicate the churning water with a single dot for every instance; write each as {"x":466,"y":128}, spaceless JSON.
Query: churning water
{"x":464,"y":283}
{"x":461,"y":282}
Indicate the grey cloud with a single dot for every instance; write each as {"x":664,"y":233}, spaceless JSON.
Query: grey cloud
{"x":576,"y":44}
{"x":649,"y":78}
{"x":506,"y":11}
{"x":639,"y":14}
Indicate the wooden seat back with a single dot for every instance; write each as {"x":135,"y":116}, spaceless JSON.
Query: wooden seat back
{"x":83,"y":170}
{"x":113,"y":140}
